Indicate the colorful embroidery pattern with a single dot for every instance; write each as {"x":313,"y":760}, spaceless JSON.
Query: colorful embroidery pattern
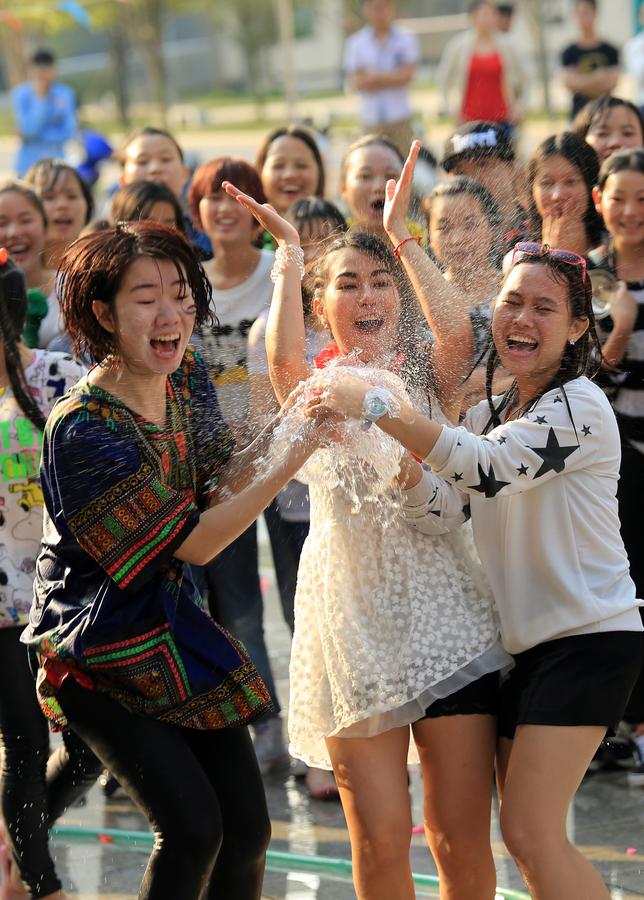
{"x":130,"y":524}
{"x":120,"y":495}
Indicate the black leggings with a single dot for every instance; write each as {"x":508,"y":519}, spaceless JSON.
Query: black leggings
{"x":201,"y":791}
{"x":630,"y":495}
{"x":36,"y":787}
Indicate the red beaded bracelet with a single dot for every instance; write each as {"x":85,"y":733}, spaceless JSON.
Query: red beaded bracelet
{"x":411,"y":237}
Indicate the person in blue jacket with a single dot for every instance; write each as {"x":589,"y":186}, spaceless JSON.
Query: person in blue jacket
{"x":45,"y":113}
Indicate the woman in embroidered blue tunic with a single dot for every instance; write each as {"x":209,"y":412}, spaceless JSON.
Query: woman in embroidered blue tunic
{"x":140,"y":479}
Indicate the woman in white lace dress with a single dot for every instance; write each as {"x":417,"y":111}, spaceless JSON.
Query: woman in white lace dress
{"x":392,"y":629}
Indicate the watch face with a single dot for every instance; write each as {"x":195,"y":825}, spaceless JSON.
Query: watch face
{"x":376,"y":406}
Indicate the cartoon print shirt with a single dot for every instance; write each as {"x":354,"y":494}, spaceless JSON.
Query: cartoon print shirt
{"x":224,"y":345}
{"x":49,"y":376}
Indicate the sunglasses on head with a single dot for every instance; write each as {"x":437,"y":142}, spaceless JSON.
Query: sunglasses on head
{"x":528,"y":248}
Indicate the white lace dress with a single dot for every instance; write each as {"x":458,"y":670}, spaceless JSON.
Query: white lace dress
{"x":387,"y":620}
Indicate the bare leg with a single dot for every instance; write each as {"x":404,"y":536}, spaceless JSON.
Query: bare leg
{"x":371,"y":774}
{"x":457,"y":758}
{"x":539,"y":778}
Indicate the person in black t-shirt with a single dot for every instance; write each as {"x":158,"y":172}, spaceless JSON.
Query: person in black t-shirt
{"x":591,"y":65}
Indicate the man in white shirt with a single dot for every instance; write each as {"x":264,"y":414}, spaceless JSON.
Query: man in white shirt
{"x":379,"y":61}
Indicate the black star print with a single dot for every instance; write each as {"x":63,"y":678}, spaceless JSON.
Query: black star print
{"x":558,"y":400}
{"x":540,"y":420}
{"x":502,"y":440}
{"x":488,"y":484}
{"x":553,"y":454}
{"x":457,"y":476}
{"x":522,"y":470}
{"x":586,"y":430}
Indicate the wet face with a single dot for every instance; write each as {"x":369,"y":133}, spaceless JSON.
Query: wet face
{"x":367,"y":171}
{"x":621,"y":205}
{"x":66,"y":209}
{"x":459,"y":233}
{"x":154,"y":157}
{"x":532,"y":323}
{"x":163,"y":212}
{"x":22,"y":231}
{"x":498,"y":176}
{"x":290,"y":172}
{"x":617,"y":128}
{"x":559,"y":190}
{"x":151,"y":317}
{"x":360,"y":304}
{"x":225,"y":221}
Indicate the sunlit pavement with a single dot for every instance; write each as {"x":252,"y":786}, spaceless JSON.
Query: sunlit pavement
{"x":607,"y":823}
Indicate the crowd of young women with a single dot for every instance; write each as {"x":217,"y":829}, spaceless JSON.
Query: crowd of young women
{"x":418,"y":395}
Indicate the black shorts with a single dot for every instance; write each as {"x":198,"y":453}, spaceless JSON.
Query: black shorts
{"x":585,"y":679}
{"x":479,"y":698}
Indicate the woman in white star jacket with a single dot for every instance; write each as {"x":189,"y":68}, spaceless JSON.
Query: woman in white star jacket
{"x":537,"y":468}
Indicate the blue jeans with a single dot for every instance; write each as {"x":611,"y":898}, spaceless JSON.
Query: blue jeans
{"x":234,"y":591}
{"x":235,"y":600}
{"x":287,"y":540}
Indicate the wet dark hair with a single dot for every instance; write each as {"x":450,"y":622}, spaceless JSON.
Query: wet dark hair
{"x":311,"y":210}
{"x":209,"y":178}
{"x":44,"y":175}
{"x":302,"y":134}
{"x":147,"y":131}
{"x":133,"y":202}
{"x":577,"y":359}
{"x":370,"y":140}
{"x":13,"y":310}
{"x":18,"y":187}
{"x":581,"y":155}
{"x":628,"y":160}
{"x":595,"y":110}
{"x":94,"y":267}
{"x":459,"y":186}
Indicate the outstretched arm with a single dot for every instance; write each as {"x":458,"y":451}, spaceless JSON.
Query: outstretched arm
{"x":285,"y":332}
{"x":444,"y":307}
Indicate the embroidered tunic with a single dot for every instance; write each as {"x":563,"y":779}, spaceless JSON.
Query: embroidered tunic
{"x":112,"y":606}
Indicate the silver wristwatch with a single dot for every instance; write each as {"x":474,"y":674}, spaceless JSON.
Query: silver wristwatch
{"x":376,"y":404}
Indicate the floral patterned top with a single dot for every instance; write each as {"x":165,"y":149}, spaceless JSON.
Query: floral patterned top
{"x":112,"y":606}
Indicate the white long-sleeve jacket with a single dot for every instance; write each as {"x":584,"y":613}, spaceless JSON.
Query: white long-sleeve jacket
{"x":542,"y":496}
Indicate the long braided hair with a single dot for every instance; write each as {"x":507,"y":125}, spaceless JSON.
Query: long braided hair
{"x":13,"y":309}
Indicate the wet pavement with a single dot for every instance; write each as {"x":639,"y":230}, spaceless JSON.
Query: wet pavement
{"x":606,"y":822}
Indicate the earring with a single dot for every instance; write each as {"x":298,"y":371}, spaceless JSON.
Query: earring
{"x":572,"y":343}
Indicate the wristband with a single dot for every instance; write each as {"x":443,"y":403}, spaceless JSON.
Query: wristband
{"x":404,"y":241}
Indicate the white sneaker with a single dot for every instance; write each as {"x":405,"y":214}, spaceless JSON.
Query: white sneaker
{"x":270,"y":748}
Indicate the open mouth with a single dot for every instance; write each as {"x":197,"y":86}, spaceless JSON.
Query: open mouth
{"x":166,"y":345}
{"x":377,"y":206}
{"x":63,"y":223}
{"x":521,"y":344}
{"x":19,"y":250}
{"x":369,"y":326}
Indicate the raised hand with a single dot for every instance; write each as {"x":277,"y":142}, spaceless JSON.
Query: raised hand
{"x":397,"y":196}
{"x":268,"y":218}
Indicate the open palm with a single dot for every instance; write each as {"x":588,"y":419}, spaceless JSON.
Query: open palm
{"x":397,"y":196}
{"x":268,"y":218}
